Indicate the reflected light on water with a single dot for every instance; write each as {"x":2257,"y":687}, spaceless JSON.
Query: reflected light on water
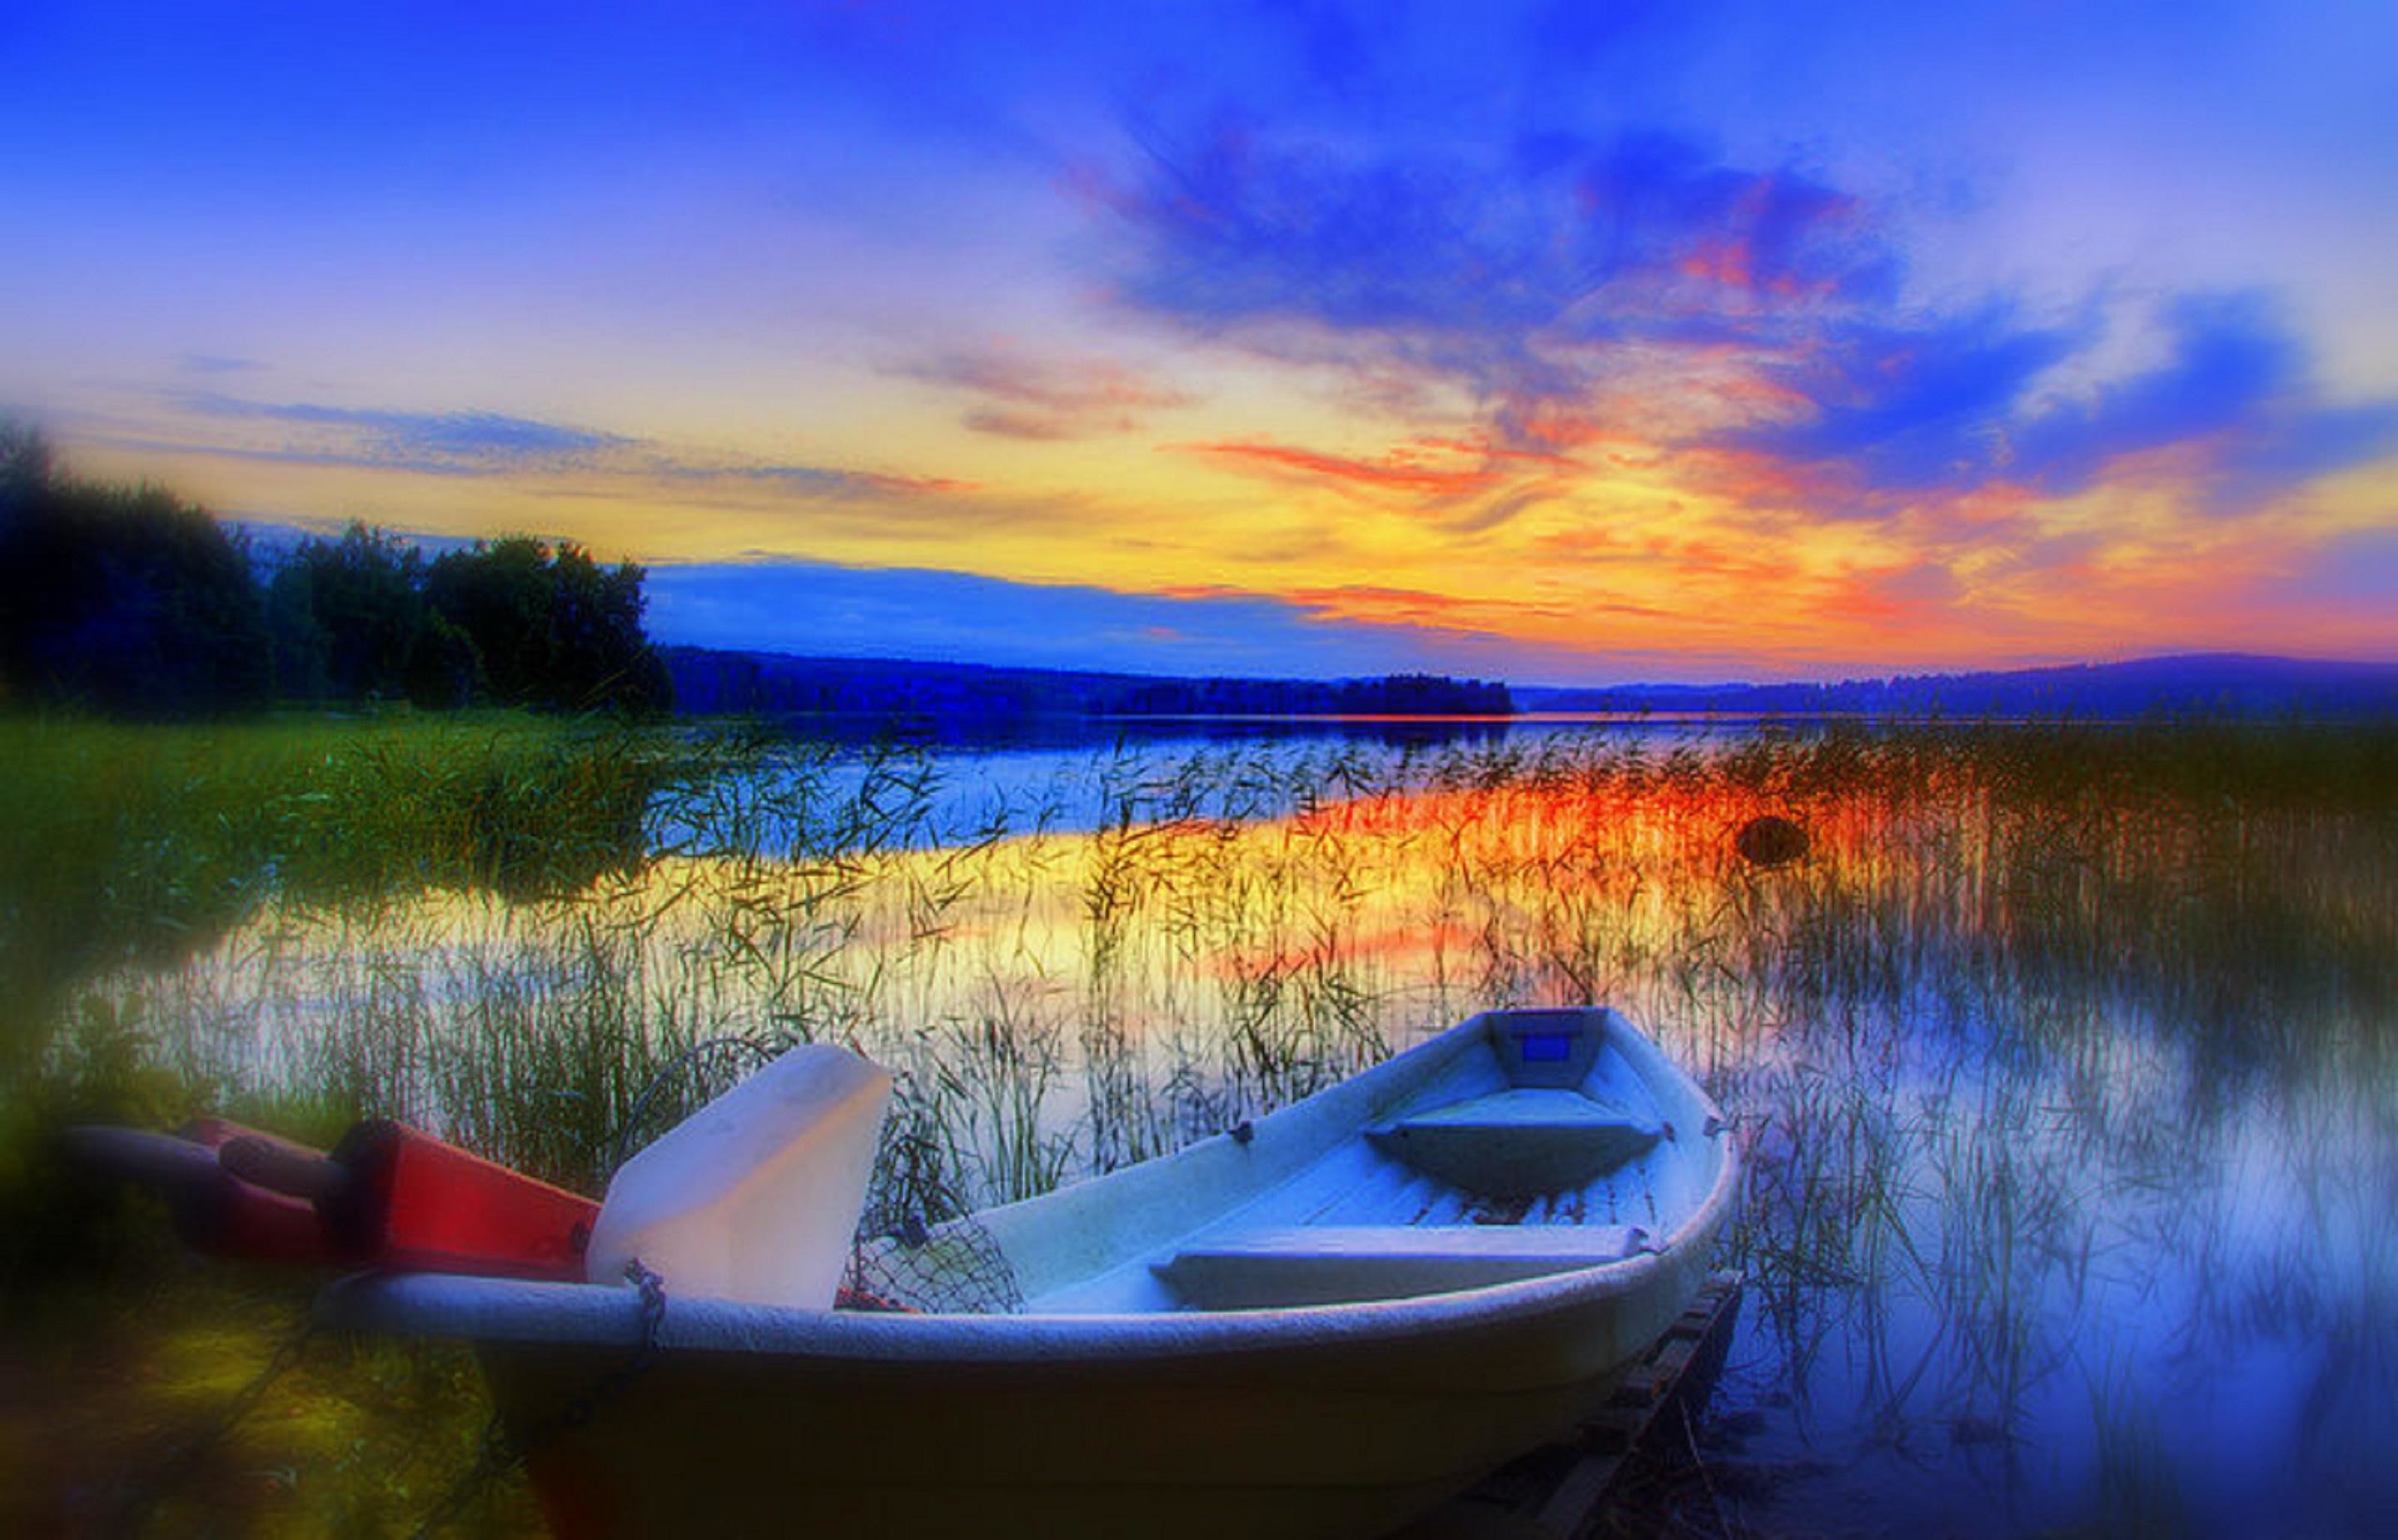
{"x":2073,"y":1106}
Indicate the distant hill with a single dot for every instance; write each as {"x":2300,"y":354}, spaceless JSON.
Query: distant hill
{"x":2220,"y":684}
{"x":708,"y":683}
{"x":971,"y":700}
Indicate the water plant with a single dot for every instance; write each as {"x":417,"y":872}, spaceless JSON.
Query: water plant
{"x":2017,"y":1043}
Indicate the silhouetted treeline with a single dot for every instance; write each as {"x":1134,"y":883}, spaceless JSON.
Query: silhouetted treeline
{"x":131,"y":600}
{"x":2210,"y":685}
{"x":713,"y":683}
{"x":1395,"y":695}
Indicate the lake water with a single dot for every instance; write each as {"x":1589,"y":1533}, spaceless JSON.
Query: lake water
{"x":1074,"y":774}
{"x":2065,"y":1063}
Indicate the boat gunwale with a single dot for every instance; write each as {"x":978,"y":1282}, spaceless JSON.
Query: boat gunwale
{"x":508,"y":1311}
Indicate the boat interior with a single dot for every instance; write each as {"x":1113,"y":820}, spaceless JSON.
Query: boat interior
{"x":1546,"y":1142}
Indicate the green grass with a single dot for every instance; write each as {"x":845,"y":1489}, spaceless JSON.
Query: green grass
{"x":141,"y":844}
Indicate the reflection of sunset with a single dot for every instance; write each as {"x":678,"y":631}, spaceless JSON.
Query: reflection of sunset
{"x":1946,"y":1029}
{"x":1356,"y":922}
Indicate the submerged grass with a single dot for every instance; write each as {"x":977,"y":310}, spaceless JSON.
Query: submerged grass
{"x":2004,"y":1039}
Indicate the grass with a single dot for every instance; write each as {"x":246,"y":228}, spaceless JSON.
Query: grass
{"x":2004,"y":1041}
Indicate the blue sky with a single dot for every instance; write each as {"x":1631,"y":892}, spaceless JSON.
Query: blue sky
{"x":1560,"y":341}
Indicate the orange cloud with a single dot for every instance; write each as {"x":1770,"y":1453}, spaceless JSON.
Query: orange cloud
{"x":1421,"y":607}
{"x":1423,"y":466}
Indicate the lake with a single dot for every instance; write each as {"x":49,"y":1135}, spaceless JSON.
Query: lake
{"x":2066,"y":1058}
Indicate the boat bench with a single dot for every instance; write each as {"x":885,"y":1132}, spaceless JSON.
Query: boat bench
{"x":1294,"y":1264}
{"x":1519,"y":1144}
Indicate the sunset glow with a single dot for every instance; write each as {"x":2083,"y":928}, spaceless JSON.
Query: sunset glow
{"x":1557,"y":343}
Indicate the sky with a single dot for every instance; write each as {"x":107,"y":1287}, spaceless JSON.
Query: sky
{"x":1558,"y":342}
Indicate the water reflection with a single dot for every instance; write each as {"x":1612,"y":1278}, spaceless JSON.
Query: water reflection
{"x":2069,"y":1085}
{"x":954,"y":781}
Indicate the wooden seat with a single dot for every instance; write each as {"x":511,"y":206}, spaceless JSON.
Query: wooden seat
{"x":1292,"y":1265}
{"x":1519,"y":1144}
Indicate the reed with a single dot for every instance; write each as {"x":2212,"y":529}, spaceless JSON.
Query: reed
{"x":2006,"y":1042}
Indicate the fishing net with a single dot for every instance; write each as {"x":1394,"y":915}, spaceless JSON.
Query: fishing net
{"x":953,"y":1268}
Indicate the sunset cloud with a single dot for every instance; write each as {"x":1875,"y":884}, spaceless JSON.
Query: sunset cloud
{"x":1957,"y":407}
{"x":492,"y":444}
{"x":1573,"y":339}
{"x":1510,"y":276}
{"x":812,"y":480}
{"x":1433,"y":468}
{"x":445,"y":443}
{"x":1598,"y":266}
{"x":1021,"y":397}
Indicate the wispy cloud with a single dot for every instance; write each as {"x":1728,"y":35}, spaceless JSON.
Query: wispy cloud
{"x":1959,"y":406}
{"x":1433,"y":470}
{"x":814,"y":480}
{"x":1373,"y":604}
{"x":1463,"y":486}
{"x":479,"y":443}
{"x":1020,"y":396}
{"x":1505,"y":274}
{"x":450,"y":443}
{"x":1559,"y":276}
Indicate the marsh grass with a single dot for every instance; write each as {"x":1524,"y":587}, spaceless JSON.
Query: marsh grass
{"x":2010,"y":1043}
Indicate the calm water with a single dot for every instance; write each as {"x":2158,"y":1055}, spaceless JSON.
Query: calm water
{"x":1076,"y":775}
{"x":2070,"y":1090}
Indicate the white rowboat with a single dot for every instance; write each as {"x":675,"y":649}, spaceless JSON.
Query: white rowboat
{"x":1318,"y":1325}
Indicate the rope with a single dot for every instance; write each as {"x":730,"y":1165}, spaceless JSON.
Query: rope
{"x":501,"y":1454}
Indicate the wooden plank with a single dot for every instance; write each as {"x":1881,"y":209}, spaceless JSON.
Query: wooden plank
{"x":1287,"y":1265}
{"x":1561,"y":1491}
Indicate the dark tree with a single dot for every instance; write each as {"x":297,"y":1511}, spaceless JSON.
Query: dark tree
{"x":602,"y":657}
{"x":124,"y":598}
{"x":499,"y":595}
{"x":300,"y":647}
{"x":445,"y":668}
{"x":551,"y":628}
{"x":364,"y":594}
{"x":130,"y":600}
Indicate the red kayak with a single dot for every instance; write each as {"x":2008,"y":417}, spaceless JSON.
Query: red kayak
{"x":388,"y":1196}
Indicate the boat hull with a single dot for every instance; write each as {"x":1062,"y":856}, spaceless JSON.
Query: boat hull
{"x":1349,"y":1436}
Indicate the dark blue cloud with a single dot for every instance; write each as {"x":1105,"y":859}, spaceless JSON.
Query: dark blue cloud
{"x":816,"y":480}
{"x":1470,"y":269}
{"x":817,"y":607}
{"x":1956,"y":404}
{"x":1913,"y":407}
{"x":822,"y":610}
{"x":1526,"y":278}
{"x":473,"y":444}
{"x":450,"y":442}
{"x":2231,"y":370}
{"x":333,"y":458}
{"x":2236,"y":379}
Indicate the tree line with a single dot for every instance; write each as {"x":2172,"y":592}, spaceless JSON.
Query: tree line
{"x":129,"y":599}
{"x":710,"y":682}
{"x":1391,"y":695}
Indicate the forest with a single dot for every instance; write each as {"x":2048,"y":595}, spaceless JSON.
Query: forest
{"x":964,"y":695}
{"x":132,"y":601}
